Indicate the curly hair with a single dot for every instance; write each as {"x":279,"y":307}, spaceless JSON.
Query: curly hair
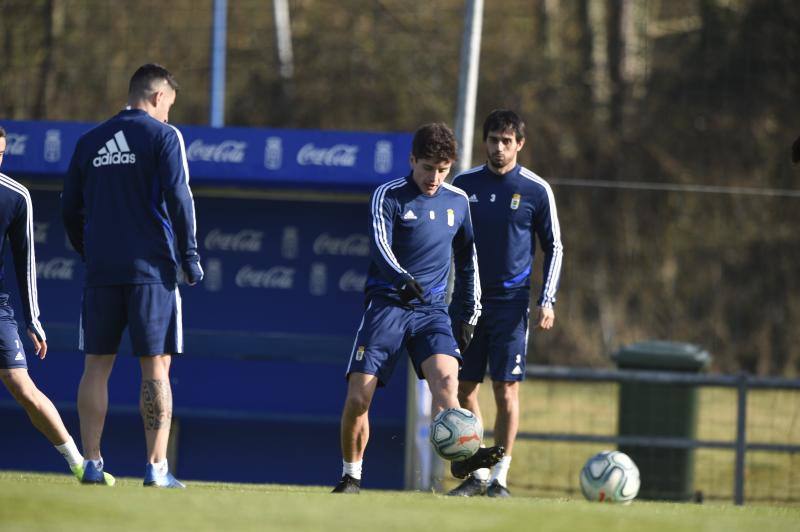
{"x":435,"y":141}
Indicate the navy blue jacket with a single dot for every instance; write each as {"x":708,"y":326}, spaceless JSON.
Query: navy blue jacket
{"x":127,"y":205}
{"x":16,"y":226}
{"x":508,"y":211}
{"x":415,"y":236}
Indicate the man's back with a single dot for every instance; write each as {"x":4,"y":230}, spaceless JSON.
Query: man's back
{"x":126,"y":178}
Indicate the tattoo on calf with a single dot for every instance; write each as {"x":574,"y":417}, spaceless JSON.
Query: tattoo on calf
{"x":156,"y":404}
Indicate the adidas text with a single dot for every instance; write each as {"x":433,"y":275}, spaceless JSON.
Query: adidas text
{"x":114,"y":158}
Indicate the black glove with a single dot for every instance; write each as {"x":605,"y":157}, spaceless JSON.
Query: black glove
{"x":463,"y":331}
{"x":796,"y":151}
{"x":412,"y":290}
{"x":193,"y":272}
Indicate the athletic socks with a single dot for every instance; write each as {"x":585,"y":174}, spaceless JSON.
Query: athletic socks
{"x":500,"y":471}
{"x":161,"y":468}
{"x":352,"y":469}
{"x":98,"y":464}
{"x":481,"y":474}
{"x":69,"y":451}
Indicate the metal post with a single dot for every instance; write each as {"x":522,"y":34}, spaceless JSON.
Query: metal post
{"x":468,"y":82}
{"x":218,"y":52}
{"x":741,"y":441}
{"x":283,"y":37}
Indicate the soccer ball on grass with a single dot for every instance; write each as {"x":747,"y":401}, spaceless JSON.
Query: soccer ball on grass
{"x":456,"y":434}
{"x":610,"y":476}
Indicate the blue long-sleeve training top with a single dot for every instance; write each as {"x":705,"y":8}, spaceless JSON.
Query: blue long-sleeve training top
{"x":127,"y":205}
{"x":16,"y":226}
{"x":414,"y":236}
{"x":509,"y":211}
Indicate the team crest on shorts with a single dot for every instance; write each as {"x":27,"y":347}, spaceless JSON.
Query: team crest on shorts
{"x":360,"y":353}
{"x":451,"y":217}
{"x":515,"y":202}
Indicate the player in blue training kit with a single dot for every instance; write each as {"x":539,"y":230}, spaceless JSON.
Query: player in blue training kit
{"x":128,"y":210}
{"x":16,"y":226}
{"x":417,"y":224}
{"x":511,"y":207}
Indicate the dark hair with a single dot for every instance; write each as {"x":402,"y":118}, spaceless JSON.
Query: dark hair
{"x":141,"y":85}
{"x":2,"y":132}
{"x":436,"y":142}
{"x":504,"y":120}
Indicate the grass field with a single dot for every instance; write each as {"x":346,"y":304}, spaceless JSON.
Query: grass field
{"x":57,"y":502}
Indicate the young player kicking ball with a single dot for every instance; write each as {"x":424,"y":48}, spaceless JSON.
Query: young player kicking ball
{"x":417,"y":223}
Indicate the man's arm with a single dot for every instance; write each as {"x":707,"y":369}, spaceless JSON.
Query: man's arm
{"x":174,"y":174}
{"x":72,"y":208}
{"x":466,"y":303}
{"x":548,"y":230}
{"x":382,"y":213}
{"x":20,"y":234}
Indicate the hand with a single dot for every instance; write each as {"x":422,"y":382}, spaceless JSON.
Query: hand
{"x":39,"y":344}
{"x":547,"y":318}
{"x":463,"y":331}
{"x":193,"y":272}
{"x":412,"y":290}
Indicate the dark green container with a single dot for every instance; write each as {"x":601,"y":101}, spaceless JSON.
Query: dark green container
{"x":663,"y":410}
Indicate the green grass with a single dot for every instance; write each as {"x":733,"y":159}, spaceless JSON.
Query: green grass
{"x":552,"y":468}
{"x":57,"y":502}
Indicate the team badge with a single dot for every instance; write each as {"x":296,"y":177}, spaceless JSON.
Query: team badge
{"x":360,"y":353}
{"x":432,"y":215}
{"x":515,"y":202}
{"x":451,"y":217}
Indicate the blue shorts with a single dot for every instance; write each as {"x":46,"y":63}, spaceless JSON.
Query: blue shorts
{"x":12,"y":354}
{"x":501,"y":339}
{"x":152,"y":313}
{"x":387,"y":328}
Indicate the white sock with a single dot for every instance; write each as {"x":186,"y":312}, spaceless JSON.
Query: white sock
{"x":500,"y":471}
{"x":162,"y":468}
{"x":69,"y":451}
{"x":481,"y":474}
{"x":98,"y":464}
{"x":352,"y":468}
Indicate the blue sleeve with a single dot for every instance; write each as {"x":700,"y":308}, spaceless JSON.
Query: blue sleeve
{"x":173,"y":168}
{"x":72,"y":208}
{"x":466,"y":302}
{"x":548,"y":231}
{"x":20,"y":234}
{"x":383,"y":211}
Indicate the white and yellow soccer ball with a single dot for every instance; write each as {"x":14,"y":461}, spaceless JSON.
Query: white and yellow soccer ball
{"x":610,"y":476}
{"x":456,"y":434}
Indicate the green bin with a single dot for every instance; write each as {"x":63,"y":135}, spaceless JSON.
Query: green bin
{"x":661,"y":410}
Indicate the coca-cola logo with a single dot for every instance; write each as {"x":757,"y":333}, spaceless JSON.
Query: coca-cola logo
{"x":279,"y":277}
{"x":15,"y":144}
{"x":227,"y":151}
{"x":57,"y":268}
{"x":354,"y":245}
{"x":336,"y":155}
{"x":40,"y":232}
{"x":352,"y":281}
{"x":245,"y":240}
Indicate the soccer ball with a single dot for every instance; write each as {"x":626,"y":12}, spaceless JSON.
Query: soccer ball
{"x":610,"y":476}
{"x":456,"y":434}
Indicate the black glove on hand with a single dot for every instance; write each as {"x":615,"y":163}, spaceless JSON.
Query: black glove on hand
{"x":412,"y":290}
{"x":193,"y":272}
{"x":463,"y":332}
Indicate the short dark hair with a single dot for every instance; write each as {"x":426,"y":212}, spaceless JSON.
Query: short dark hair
{"x":504,"y":120}
{"x":436,"y":142}
{"x":141,"y":85}
{"x":2,"y":132}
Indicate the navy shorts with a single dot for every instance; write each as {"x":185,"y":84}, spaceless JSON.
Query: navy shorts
{"x":152,"y":313}
{"x":12,"y":354}
{"x":387,"y":328}
{"x":501,"y":339}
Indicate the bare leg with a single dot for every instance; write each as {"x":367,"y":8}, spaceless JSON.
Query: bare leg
{"x":506,"y":395}
{"x":468,"y":397}
{"x":93,"y":402}
{"x":40,"y":409}
{"x":441,"y":372}
{"x":355,"y":415}
{"x":155,"y":405}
